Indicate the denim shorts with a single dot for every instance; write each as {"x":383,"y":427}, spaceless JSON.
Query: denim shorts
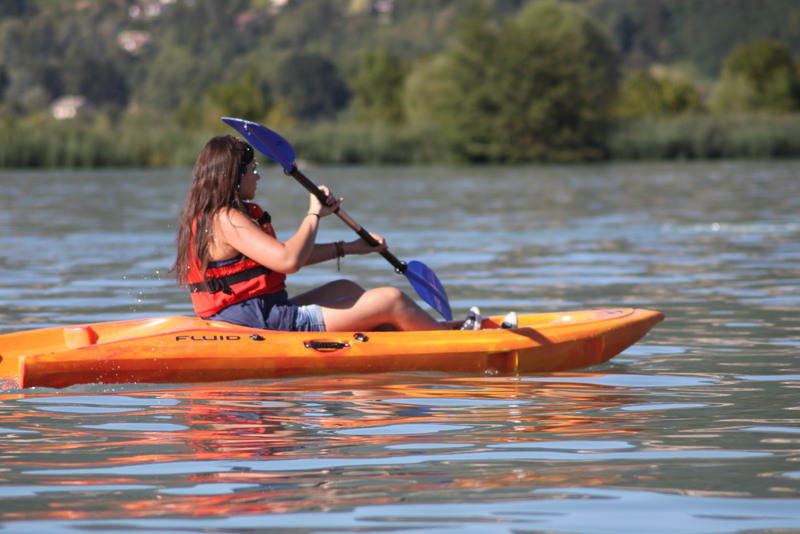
{"x":309,"y":319}
{"x":273,"y":312}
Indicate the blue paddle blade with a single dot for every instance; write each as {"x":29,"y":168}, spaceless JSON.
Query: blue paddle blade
{"x":265,"y":141}
{"x":429,"y":288}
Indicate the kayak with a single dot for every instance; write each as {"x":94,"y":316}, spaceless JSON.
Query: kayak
{"x":187,"y":349}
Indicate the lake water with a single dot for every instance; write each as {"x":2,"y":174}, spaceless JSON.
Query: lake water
{"x":696,"y":429}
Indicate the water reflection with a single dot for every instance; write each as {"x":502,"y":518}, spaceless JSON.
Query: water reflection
{"x":351,"y":443}
{"x":310,"y":443}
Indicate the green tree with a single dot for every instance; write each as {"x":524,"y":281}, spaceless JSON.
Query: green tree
{"x":760,"y":76}
{"x":173,"y":75}
{"x":203,"y":26}
{"x":648,"y":93}
{"x":17,"y":8}
{"x":312,"y":86}
{"x":97,"y":80}
{"x":535,"y":87}
{"x":378,"y":87}
{"x":5,"y":80}
{"x":245,"y":97}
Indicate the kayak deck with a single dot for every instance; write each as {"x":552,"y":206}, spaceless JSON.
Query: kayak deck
{"x":186,"y":349}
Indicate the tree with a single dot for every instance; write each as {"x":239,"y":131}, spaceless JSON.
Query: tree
{"x":174,"y":75}
{"x":5,"y":80}
{"x":651,"y":93}
{"x":378,"y":87}
{"x":245,"y":97}
{"x":761,"y":76}
{"x":535,"y":87}
{"x":17,"y":8}
{"x":312,"y":85}
{"x":97,"y":80}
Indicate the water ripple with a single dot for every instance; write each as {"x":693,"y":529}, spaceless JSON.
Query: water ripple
{"x":694,"y":429}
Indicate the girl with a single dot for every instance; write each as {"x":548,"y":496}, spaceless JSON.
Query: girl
{"x":235,"y":267}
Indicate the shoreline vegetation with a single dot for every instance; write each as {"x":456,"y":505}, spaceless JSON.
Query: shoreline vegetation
{"x":144,"y":83}
{"x":76,"y":144}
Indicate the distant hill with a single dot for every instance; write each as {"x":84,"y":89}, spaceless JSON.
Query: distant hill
{"x":114,"y":51}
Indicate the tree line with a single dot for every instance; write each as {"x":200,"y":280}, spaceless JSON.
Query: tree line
{"x":348,"y":81}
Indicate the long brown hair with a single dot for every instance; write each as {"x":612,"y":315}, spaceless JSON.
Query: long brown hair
{"x":215,"y":185}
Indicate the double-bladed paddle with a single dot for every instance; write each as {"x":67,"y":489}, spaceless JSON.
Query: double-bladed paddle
{"x":420,"y":276}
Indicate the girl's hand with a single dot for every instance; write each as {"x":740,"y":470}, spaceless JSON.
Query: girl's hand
{"x":331,"y":205}
{"x":359,"y":246}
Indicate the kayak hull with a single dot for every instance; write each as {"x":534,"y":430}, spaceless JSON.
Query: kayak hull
{"x":185,"y":349}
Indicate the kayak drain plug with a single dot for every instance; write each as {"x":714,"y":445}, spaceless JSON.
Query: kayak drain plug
{"x":256,"y":337}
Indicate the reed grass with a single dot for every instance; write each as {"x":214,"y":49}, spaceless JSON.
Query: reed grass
{"x":348,"y":143}
{"x":155,"y":142}
{"x":707,"y":137}
{"x":74,"y":144}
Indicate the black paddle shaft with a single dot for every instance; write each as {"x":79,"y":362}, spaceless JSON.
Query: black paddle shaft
{"x":399,"y":266}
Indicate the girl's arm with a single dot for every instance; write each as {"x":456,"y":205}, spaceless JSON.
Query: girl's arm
{"x":330,"y":251}
{"x":241,"y":234}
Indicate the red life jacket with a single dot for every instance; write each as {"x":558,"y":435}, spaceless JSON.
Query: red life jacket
{"x":234,"y":281}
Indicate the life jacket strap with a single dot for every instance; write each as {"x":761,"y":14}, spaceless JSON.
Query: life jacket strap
{"x":223,"y":284}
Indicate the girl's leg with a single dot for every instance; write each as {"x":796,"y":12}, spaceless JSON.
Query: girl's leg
{"x":347,"y":306}
{"x":330,"y":293}
{"x":377,"y":308}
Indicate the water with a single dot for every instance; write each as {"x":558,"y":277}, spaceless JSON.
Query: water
{"x":696,"y":429}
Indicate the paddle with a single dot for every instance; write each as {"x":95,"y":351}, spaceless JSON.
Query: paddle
{"x":420,"y":276}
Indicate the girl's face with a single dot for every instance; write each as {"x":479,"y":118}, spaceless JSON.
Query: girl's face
{"x":247,"y":187}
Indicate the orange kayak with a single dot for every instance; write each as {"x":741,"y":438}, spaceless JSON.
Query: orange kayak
{"x":186,"y":349}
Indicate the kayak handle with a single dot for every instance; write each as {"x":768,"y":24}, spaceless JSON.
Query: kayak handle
{"x":325,"y":346}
